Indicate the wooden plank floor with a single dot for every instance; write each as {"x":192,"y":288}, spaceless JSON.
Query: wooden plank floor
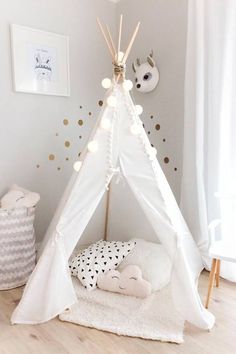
{"x":62,"y":338}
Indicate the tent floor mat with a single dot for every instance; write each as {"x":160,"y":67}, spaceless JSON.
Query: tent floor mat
{"x":152,"y":318}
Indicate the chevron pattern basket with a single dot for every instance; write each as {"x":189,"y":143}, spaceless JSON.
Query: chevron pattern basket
{"x":17,"y":246}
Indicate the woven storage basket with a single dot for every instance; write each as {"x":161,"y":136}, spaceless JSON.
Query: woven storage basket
{"x":17,"y":246}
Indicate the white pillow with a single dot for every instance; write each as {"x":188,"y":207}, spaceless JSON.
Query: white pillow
{"x":153,"y":261}
{"x":128,"y":282}
{"x":97,"y":259}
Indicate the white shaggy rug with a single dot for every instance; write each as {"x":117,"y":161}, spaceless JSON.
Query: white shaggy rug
{"x":152,"y":318}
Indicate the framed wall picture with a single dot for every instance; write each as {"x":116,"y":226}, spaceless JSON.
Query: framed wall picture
{"x":40,"y":61}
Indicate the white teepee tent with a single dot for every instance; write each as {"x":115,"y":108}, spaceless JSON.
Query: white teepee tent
{"x":118,"y":146}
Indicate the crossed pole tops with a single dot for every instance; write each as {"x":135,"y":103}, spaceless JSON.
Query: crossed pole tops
{"x":118,"y":58}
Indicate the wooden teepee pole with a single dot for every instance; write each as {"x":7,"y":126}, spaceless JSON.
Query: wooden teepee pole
{"x":130,"y":44}
{"x":105,"y":37}
{"x":107,"y":212}
{"x":111,"y":41}
{"x":120,"y":32}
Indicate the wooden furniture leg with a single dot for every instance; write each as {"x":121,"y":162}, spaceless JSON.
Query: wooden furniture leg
{"x":218,"y":273}
{"x":107,"y":213}
{"x":211,"y":281}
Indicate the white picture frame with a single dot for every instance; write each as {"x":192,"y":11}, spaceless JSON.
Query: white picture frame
{"x":40,"y":61}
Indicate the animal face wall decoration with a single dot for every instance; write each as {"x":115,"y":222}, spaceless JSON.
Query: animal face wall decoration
{"x":146,"y":74}
{"x":43,"y":68}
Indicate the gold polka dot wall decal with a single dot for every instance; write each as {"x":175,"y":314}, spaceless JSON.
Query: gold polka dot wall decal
{"x":51,"y":157}
{"x":56,"y":134}
{"x":151,"y":117}
{"x":80,"y":107}
{"x":166,"y":160}
{"x":149,"y":132}
{"x":100,"y":103}
{"x":67,"y":158}
{"x":79,"y":154}
{"x":65,"y":121}
{"x":80,"y":122}
{"x":58,"y":168}
{"x":175,"y":168}
{"x":37,"y":166}
{"x":164,"y":140}
{"x":90,"y":113}
{"x":67,"y":143}
{"x":80,"y":136}
{"x":157,"y":126}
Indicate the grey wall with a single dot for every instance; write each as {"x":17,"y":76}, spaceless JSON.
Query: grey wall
{"x":32,"y":125}
{"x":163,"y":29}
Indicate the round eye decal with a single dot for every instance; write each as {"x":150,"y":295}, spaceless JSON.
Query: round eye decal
{"x":147,"y":76}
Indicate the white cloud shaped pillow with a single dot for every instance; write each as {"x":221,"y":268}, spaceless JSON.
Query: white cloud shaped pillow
{"x":153,"y":261}
{"x":127,"y":282}
{"x":18,"y":197}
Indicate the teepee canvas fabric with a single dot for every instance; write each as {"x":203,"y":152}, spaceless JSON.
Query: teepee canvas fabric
{"x":131,"y":155}
{"x":119,"y":152}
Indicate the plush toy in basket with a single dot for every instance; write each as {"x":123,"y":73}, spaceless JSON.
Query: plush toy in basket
{"x":17,"y":237}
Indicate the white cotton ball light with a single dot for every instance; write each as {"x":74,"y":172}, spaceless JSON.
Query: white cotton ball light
{"x":135,"y":129}
{"x":120,"y":56}
{"x":77,"y":165}
{"x":152,"y":153}
{"x":127,"y":85}
{"x":105,"y":124}
{"x":111,"y":101}
{"x":138,"y":109}
{"x":106,"y":83}
{"x":92,"y":146}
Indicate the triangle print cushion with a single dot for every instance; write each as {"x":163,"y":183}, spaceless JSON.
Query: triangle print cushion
{"x":98,"y":259}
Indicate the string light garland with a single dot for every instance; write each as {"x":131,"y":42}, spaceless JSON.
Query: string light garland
{"x":127,"y":85}
{"x":106,"y":83}
{"x":152,"y":153}
{"x":138,"y":109}
{"x":92,"y":146}
{"x":119,"y":56}
{"x":77,"y":165}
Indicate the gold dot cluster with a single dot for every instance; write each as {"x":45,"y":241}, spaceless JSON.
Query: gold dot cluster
{"x":80,"y":122}
{"x":166,"y":159}
{"x":67,"y":142}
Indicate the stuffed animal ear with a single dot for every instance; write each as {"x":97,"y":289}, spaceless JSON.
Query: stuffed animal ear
{"x":151,"y":54}
{"x":150,"y":61}
{"x":138,"y":62}
{"x":133,"y":67}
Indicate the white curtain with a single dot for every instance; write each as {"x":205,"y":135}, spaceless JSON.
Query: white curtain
{"x":209,"y":163}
